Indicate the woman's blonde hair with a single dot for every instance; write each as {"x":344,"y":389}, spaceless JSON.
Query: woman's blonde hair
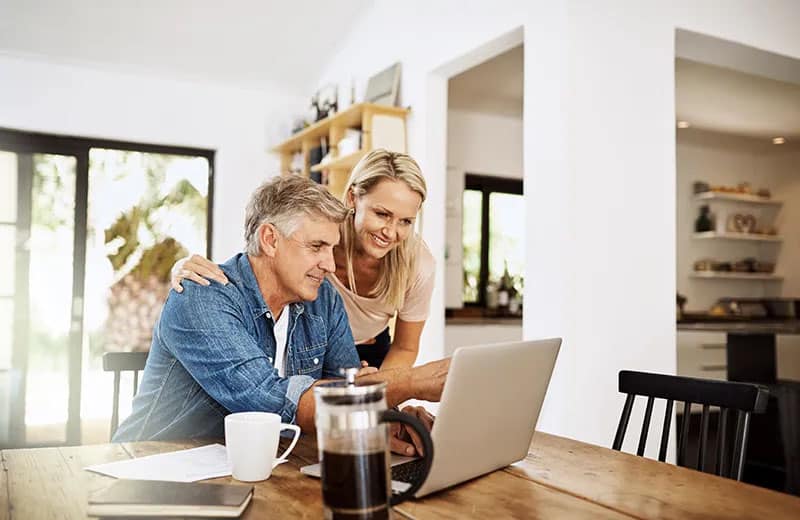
{"x":397,"y":267}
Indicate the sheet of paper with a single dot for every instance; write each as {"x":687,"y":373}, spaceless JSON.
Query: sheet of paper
{"x":178,"y":466}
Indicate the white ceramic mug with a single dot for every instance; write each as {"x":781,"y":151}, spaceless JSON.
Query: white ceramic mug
{"x":251,"y":439}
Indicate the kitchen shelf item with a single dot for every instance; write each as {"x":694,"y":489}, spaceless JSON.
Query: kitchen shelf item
{"x":736,"y":197}
{"x":754,"y":237}
{"x":712,"y":275}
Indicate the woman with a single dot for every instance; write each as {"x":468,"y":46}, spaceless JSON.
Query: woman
{"x":383,"y":267}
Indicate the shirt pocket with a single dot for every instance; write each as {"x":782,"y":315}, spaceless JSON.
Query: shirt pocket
{"x":310,"y":361}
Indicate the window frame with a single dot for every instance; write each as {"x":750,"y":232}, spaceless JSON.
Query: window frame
{"x":487,"y":184}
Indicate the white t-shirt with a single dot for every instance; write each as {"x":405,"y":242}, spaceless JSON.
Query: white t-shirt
{"x":280,"y":329}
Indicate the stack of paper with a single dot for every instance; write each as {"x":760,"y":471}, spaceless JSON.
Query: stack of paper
{"x":178,"y":466}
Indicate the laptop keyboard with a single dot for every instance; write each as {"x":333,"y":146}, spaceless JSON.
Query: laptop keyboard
{"x":408,"y":471}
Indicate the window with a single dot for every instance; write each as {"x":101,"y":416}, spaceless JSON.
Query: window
{"x":88,"y":231}
{"x":493,"y":232}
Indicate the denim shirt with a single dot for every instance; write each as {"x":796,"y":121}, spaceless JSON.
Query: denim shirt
{"x":213,"y":351}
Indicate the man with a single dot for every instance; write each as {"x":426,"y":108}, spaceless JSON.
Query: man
{"x":264,"y":339}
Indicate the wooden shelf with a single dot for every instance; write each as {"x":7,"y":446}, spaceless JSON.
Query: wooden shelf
{"x":753,"y":237}
{"x":736,"y":197}
{"x":723,"y":275}
{"x":348,"y":118}
{"x":341,"y":163}
{"x":334,"y":129}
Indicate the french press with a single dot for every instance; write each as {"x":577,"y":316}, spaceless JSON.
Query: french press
{"x":353,"y":443}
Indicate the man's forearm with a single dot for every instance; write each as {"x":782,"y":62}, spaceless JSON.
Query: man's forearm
{"x":399,"y":388}
{"x":306,"y":407}
{"x":399,"y":384}
{"x":304,"y":417}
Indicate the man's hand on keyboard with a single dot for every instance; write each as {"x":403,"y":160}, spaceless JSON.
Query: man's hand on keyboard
{"x":404,"y":440}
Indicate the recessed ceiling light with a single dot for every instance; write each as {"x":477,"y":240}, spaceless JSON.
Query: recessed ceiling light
{"x":683,"y":124}
{"x":778,"y":140}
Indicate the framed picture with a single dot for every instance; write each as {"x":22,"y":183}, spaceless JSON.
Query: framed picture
{"x":324,"y":103}
{"x":328,"y":97}
{"x":382,"y":87}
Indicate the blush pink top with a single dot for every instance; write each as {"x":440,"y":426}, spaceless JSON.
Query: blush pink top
{"x":369,"y":316}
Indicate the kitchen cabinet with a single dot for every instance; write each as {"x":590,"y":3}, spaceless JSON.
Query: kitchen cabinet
{"x":701,"y":354}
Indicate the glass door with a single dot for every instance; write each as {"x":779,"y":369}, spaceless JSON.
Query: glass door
{"x":157,"y":215}
{"x":40,"y":310}
{"x":149,"y":206}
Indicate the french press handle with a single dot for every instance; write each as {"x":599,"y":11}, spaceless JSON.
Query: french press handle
{"x":427,"y":444}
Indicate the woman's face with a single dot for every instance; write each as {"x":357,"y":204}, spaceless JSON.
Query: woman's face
{"x":384,"y":216}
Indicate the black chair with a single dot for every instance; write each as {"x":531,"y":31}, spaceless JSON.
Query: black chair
{"x":119,"y":362}
{"x":788,"y":397}
{"x":742,"y":398}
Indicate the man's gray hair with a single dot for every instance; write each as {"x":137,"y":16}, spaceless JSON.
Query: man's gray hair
{"x":283,"y":202}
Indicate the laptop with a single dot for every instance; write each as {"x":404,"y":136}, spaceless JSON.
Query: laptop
{"x":487,"y":415}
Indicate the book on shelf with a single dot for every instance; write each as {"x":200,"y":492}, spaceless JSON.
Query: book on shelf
{"x":158,"y":498}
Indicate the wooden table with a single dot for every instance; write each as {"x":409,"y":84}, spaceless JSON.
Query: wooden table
{"x":560,"y":478}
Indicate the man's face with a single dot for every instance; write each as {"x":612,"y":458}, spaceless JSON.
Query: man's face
{"x":303,"y":258}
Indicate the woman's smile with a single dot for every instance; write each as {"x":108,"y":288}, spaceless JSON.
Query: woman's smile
{"x":380,"y":241}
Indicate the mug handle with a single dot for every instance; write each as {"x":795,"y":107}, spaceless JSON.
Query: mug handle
{"x":427,"y":445}
{"x":287,"y":451}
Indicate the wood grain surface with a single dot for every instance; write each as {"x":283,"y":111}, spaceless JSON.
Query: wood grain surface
{"x":560,"y":478}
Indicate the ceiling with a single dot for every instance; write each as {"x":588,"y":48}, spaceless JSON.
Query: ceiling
{"x":249,"y":43}
{"x":494,"y":87}
{"x":729,"y":101}
{"x":733,"y":88}
{"x":736,"y":56}
{"x":720,"y":85}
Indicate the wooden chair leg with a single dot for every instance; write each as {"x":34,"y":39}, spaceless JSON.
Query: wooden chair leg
{"x":684,"y":436}
{"x":623,"y":422}
{"x":722,"y":437}
{"x":701,"y":451}
{"x":115,"y":408}
{"x":662,"y":453}
{"x":742,"y":429}
{"x":645,"y":426}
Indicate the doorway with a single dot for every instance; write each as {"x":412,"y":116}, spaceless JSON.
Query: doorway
{"x":737,"y":118}
{"x":484,"y":232}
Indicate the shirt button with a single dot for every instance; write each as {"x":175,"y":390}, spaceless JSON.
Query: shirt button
{"x":269,"y":315}
{"x":270,"y":360}
{"x":316,"y":361}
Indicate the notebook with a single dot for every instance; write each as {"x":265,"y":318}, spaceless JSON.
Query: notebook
{"x":487,"y":415}
{"x":159,"y":498}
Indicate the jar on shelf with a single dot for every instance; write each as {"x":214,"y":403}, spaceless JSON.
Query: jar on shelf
{"x":705,"y":221}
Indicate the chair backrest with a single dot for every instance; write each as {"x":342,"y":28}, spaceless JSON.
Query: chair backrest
{"x":730,"y":397}
{"x":119,"y":362}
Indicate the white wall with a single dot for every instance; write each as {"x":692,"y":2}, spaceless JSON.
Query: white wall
{"x":720,"y":159}
{"x":461,"y":335}
{"x":599,"y":156}
{"x":478,"y":143}
{"x":786,"y":163}
{"x":486,"y":144}
{"x":89,"y":102}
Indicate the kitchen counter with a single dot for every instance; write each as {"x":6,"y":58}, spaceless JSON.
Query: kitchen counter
{"x":751,"y":356}
{"x":484,"y":320}
{"x":742,"y":327}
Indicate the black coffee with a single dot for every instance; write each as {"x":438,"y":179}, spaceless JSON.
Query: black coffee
{"x":355,"y":485}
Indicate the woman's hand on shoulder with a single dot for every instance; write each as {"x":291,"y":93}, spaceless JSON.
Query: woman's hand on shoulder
{"x":198,"y":269}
